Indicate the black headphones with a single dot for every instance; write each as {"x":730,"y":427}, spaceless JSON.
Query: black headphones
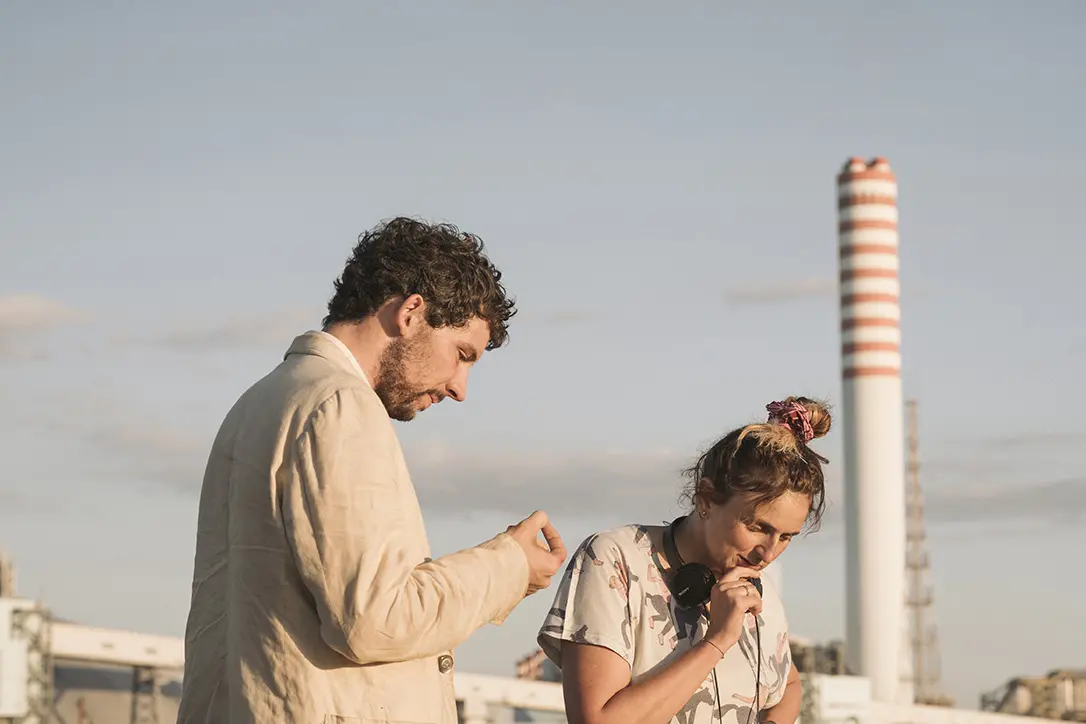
{"x":692,"y":583}
{"x":691,"y":586}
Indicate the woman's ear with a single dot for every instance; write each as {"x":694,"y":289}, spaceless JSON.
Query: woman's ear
{"x":703,"y":497}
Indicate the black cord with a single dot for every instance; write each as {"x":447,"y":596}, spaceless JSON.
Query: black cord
{"x":673,"y":550}
{"x":757,"y":676}
{"x":716,"y":686}
{"x":717,"y":690}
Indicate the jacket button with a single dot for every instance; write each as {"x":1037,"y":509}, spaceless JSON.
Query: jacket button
{"x":444,"y":663}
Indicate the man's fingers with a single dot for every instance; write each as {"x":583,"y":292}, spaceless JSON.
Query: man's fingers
{"x":537,"y":520}
{"x":554,"y":541}
{"x":534,"y":523}
{"x":531,"y":527}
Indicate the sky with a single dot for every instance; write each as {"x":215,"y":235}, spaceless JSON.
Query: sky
{"x":181,"y":183}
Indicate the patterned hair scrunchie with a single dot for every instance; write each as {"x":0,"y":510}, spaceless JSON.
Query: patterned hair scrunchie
{"x":793,"y":415}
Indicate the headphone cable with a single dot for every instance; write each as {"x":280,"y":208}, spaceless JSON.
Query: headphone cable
{"x":756,"y":704}
{"x":673,"y":548}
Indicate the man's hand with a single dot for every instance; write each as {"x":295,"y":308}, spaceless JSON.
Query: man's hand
{"x":544,"y":559}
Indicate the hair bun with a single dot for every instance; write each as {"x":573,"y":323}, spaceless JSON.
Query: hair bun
{"x":821,"y":420}
{"x":807,"y":418}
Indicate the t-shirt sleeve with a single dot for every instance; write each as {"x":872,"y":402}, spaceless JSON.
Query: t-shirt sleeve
{"x":591,"y":605}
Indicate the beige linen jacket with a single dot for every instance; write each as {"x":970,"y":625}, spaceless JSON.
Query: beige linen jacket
{"x":314,"y":599}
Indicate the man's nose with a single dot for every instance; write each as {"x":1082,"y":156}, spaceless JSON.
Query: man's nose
{"x":458,"y":386}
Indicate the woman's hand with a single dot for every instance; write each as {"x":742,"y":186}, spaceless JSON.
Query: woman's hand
{"x":732,"y":599}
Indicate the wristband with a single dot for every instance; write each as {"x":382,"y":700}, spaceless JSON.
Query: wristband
{"x":715,"y":647}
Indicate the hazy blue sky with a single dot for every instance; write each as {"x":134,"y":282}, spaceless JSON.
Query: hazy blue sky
{"x":180,"y":184}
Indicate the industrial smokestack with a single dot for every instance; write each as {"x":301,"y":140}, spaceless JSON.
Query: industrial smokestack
{"x":873,"y":424}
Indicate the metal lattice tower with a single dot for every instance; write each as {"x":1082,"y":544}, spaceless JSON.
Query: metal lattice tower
{"x":923,"y":638}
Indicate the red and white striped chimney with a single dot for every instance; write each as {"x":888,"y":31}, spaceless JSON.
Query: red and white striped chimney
{"x":873,"y":411}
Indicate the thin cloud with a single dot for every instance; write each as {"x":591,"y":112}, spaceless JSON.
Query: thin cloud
{"x":24,"y":318}
{"x":1058,"y":502}
{"x":10,"y":499}
{"x":33,"y":311}
{"x":280,"y":327}
{"x":273,"y":328}
{"x":631,"y":485}
{"x":969,"y":467}
{"x":565,"y":318}
{"x":1015,"y":441}
{"x":152,"y":452}
{"x":1005,"y":457}
{"x":131,"y":447}
{"x":780,"y":291}
{"x":569,"y":317}
{"x":1034,"y":439}
{"x":639,"y":485}
{"x":626,"y":484}
{"x":645,"y":486}
{"x":17,"y":503}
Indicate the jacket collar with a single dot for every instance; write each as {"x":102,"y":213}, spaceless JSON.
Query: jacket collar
{"x":321,"y":344}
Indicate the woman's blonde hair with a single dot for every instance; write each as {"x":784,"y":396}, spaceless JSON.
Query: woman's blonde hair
{"x":767,"y":460}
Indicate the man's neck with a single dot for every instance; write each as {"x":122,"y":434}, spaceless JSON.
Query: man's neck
{"x":365,"y":340}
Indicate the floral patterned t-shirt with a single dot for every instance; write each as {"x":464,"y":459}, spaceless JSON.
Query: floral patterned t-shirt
{"x":613,"y":594}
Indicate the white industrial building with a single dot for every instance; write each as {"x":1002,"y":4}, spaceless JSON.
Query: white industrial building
{"x":54,"y":672}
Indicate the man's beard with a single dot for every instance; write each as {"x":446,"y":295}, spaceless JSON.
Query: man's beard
{"x":398,"y":395}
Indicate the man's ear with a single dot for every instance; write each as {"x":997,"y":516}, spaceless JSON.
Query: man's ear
{"x":410,"y":315}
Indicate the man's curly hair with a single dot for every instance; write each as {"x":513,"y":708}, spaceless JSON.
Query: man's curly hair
{"x":442,"y":264}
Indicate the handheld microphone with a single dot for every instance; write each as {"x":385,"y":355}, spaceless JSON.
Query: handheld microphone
{"x":757,"y":583}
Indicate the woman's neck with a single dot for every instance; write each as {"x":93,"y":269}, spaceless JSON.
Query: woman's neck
{"x":687,"y":542}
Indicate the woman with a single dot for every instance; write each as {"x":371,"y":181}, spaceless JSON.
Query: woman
{"x":639,"y":645}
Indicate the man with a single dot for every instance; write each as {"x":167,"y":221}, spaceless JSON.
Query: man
{"x":314,"y":598}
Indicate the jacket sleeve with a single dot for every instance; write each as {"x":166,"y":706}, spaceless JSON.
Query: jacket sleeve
{"x":350,"y":536}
